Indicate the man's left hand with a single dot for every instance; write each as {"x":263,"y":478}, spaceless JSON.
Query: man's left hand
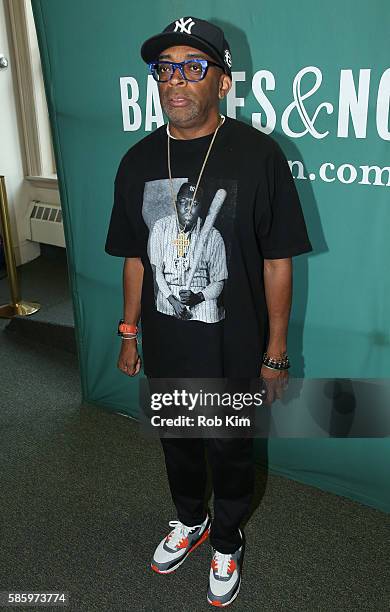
{"x":276,"y":382}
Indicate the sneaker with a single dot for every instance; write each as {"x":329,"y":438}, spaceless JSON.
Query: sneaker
{"x":178,"y":544}
{"x":225,"y":576}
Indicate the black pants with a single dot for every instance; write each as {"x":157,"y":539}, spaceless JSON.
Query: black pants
{"x":199,"y":354}
{"x":232,"y":467}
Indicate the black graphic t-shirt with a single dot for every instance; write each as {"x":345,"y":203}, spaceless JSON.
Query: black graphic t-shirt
{"x":203,"y":307}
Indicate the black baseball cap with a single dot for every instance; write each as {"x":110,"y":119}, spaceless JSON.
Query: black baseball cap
{"x":193,"y":32}
{"x":187,"y":191}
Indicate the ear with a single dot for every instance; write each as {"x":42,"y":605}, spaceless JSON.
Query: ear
{"x":225,"y":84}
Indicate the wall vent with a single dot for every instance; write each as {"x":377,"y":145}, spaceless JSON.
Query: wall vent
{"x":46,"y":223}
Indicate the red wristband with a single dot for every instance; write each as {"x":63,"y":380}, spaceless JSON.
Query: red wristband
{"x":126,"y":328}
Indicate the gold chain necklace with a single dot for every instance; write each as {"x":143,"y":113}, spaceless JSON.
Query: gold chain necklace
{"x":181,"y":242}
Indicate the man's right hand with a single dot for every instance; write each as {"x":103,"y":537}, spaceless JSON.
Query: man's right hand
{"x":129,"y":361}
{"x":179,"y":308}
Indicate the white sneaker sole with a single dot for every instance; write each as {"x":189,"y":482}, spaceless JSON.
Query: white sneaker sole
{"x":222,"y":605}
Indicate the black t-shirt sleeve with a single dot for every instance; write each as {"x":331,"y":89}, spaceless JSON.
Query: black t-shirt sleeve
{"x":122,"y":237}
{"x":280,"y":224}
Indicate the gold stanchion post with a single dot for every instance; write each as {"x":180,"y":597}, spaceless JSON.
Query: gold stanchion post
{"x":17,"y":306}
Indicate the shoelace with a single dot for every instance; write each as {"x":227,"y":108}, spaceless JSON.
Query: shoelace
{"x":222,"y":563}
{"x":178,"y":534}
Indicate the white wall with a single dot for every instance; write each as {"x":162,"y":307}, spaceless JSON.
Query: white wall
{"x":12,"y":163}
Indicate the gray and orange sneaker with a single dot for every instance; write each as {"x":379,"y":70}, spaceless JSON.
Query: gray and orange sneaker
{"x":225,"y":576}
{"x":178,"y":544}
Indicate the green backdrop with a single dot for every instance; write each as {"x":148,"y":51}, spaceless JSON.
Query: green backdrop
{"x":318,"y":79}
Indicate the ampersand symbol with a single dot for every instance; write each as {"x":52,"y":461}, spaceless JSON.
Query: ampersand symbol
{"x":298,"y":104}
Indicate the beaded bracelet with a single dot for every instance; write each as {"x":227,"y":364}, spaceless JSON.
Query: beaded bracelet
{"x":276,"y":364}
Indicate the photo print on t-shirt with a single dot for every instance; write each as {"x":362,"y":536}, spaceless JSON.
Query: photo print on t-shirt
{"x":190,"y":268}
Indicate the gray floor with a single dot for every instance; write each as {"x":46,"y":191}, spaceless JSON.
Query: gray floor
{"x":45,"y":280}
{"x":84,"y":501}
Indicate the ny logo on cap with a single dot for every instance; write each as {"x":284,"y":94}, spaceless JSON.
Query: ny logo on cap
{"x":184,"y":26}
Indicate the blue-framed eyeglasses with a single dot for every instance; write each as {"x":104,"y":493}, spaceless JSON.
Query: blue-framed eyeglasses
{"x":190,"y":70}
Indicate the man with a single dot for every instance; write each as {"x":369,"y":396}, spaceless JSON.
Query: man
{"x":173,"y":263}
{"x":255,"y":203}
